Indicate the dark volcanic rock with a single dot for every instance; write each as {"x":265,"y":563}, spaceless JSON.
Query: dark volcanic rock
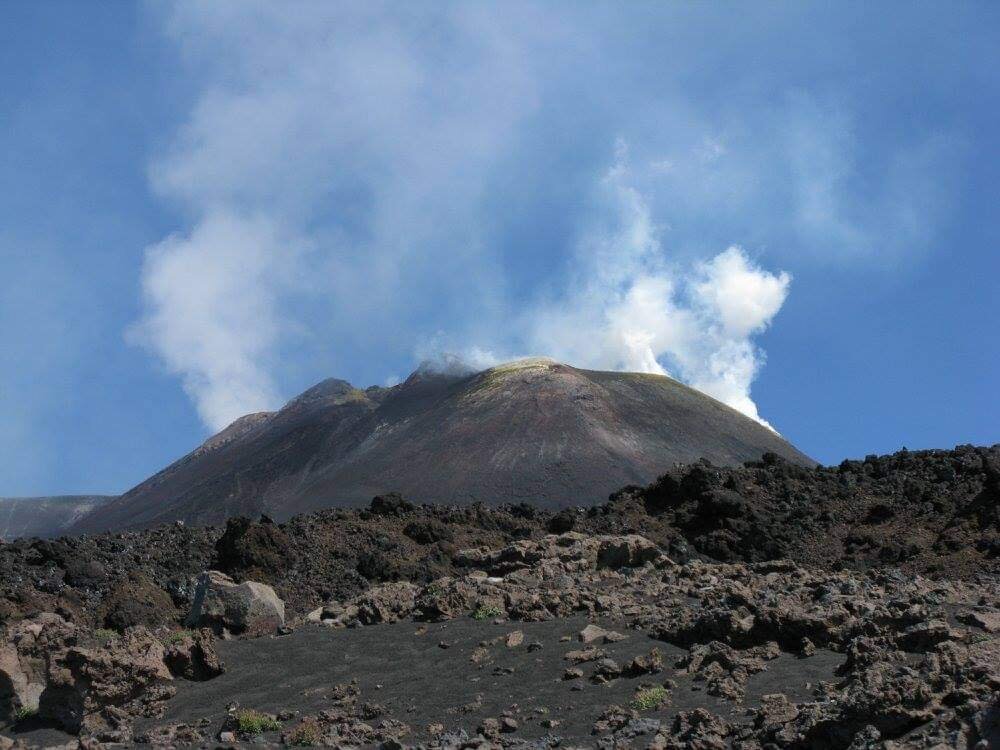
{"x":247,"y":609}
{"x":819,"y":517}
{"x":859,"y":657}
{"x":192,"y":655}
{"x":136,"y":601}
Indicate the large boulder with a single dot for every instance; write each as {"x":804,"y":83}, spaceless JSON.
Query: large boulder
{"x":22,"y":661}
{"x":97,"y":688}
{"x":247,"y":609}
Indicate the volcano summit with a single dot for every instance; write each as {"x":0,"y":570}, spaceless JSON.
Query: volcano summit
{"x":532,"y":429}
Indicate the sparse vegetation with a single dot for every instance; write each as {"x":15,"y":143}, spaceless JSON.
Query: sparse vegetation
{"x":105,"y":636}
{"x":646,"y":699}
{"x":24,"y":713}
{"x":253,"y":722}
{"x":487,"y":612}
{"x":178,"y":636}
{"x":307,"y":733}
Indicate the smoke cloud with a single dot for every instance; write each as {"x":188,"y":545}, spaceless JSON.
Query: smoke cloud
{"x":628,"y":308}
{"x":363,"y":185}
{"x":212,"y":313}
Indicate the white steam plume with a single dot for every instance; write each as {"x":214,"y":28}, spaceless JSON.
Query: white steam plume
{"x":627,"y":308}
{"x":352,"y":184}
{"x":211,"y":314}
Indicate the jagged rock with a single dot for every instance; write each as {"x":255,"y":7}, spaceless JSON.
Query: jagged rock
{"x":428,"y":532}
{"x":607,"y":670}
{"x":614,"y":718}
{"x":227,"y":608}
{"x":926,"y":635}
{"x":646,"y":664}
{"x":514,"y":639}
{"x":173,"y":735}
{"x":388,"y":602}
{"x":584,"y":655}
{"x":193,"y":656}
{"x":570,"y":551}
{"x":698,"y":730}
{"x":97,"y":689}
{"x":988,"y":621}
{"x":726,"y":670}
{"x":593,"y":633}
{"x":136,"y":601}
{"x":249,"y":549}
{"x":23,"y":655}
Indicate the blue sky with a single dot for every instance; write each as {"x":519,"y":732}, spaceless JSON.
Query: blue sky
{"x":209,"y":207}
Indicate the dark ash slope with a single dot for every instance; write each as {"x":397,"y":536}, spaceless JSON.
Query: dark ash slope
{"x":533,"y":430}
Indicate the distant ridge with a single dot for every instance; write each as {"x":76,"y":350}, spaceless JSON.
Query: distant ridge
{"x":532,"y":430}
{"x":44,"y":516}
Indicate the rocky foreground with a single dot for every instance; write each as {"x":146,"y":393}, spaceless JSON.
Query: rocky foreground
{"x":769,"y":606}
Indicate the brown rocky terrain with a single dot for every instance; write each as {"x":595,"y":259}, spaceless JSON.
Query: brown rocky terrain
{"x":533,"y":430}
{"x":768,"y":605}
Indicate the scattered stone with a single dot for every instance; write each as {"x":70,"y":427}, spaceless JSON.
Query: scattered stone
{"x":584,"y":655}
{"x":651,"y":663}
{"x":514,"y":639}
{"x":489,"y":728}
{"x":593,"y":633}
{"x":607,"y":670}
{"x":926,"y":635}
{"x":988,"y":621}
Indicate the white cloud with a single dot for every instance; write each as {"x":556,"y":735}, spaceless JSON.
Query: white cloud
{"x":351,"y":176}
{"x":628,"y":308}
{"x":212,"y":315}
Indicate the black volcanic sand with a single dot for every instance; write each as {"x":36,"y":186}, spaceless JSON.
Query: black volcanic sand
{"x":401,"y":665}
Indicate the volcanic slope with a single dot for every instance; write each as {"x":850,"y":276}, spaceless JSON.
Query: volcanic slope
{"x":529,"y":430}
{"x":44,"y":516}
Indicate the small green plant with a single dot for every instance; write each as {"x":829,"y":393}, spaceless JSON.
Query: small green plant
{"x":306,"y":734}
{"x":178,"y":636}
{"x":253,"y":722}
{"x":647,"y":699}
{"x":105,"y":636}
{"x":24,"y":713}
{"x":485,"y":613}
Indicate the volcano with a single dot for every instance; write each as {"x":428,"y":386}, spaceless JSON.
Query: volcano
{"x":531,"y":430}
